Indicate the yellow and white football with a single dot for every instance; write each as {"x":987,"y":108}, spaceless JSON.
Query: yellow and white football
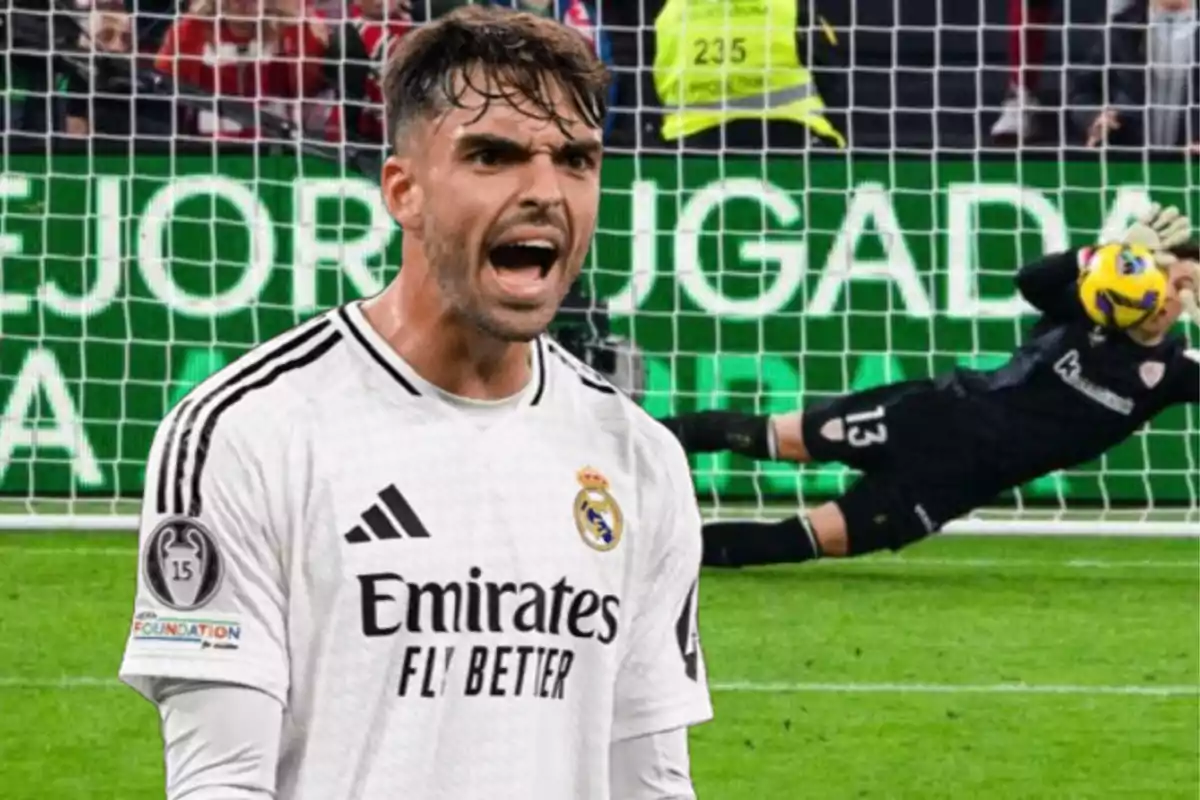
{"x":1121,"y":286}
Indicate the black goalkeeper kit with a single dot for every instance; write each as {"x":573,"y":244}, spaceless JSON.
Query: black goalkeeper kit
{"x":933,"y":450}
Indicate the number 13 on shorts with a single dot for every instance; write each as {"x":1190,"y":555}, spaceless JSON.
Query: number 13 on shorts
{"x":866,"y":428}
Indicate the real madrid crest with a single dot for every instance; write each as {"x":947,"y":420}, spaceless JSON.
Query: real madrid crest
{"x":597,"y":515}
{"x":182,"y":565}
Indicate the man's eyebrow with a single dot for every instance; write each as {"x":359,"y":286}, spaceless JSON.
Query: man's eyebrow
{"x":477,"y":141}
{"x":581,"y":147}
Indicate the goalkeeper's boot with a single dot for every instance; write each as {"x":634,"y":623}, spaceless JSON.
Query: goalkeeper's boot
{"x":746,"y":544}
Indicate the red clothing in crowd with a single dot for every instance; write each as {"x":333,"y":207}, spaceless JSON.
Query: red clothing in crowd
{"x":1027,"y":21}
{"x":380,"y":39}
{"x":576,"y":17}
{"x":207,"y":54}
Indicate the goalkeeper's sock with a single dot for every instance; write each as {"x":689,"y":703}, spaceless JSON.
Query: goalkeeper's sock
{"x":715,"y":431}
{"x":747,"y":544}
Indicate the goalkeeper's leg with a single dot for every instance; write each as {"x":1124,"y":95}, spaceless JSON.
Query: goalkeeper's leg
{"x":881,"y":511}
{"x":851,"y":429}
{"x":881,"y":432}
{"x":791,"y":541}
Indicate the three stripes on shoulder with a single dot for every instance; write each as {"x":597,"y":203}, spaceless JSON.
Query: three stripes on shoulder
{"x":191,"y":432}
{"x":587,"y":376}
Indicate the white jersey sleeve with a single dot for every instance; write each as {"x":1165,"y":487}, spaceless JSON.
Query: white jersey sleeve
{"x":654,"y":767}
{"x":662,"y":682}
{"x":210,"y":602}
{"x":221,"y":741}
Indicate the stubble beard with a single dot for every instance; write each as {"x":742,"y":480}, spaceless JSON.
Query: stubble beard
{"x":452,"y":264}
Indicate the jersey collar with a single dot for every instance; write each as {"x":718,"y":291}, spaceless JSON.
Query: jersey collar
{"x":387,"y":359}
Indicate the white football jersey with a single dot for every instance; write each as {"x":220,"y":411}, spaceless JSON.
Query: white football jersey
{"x":451,"y":599}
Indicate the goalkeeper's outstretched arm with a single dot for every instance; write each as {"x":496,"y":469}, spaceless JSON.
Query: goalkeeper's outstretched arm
{"x":1051,"y":285}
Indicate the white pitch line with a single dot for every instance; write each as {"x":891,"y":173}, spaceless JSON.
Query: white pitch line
{"x":951,"y":688}
{"x":128,"y":552}
{"x":65,"y":682}
{"x":764,"y":687}
{"x":913,"y":561}
{"x":1000,"y":563}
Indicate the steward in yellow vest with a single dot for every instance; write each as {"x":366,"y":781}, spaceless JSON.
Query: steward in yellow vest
{"x":722,"y":60}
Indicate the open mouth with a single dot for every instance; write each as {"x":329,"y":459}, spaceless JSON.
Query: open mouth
{"x":533,"y":258}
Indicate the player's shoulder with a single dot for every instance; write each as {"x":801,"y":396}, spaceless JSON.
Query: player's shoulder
{"x":1175,"y":350}
{"x":1183,"y":354}
{"x":1177,"y":344}
{"x":581,"y":391}
{"x":269,"y":387}
{"x":578,"y":389}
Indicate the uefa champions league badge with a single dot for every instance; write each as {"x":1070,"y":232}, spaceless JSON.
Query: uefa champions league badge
{"x":597,"y":515}
{"x":182,"y":565}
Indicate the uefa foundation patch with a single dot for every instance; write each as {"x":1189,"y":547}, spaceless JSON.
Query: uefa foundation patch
{"x":215,"y":634}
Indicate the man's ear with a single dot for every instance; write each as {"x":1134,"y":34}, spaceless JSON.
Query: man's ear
{"x":402,"y":195}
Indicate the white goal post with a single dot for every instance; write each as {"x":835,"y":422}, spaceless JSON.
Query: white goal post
{"x":745,"y":279}
{"x":1180,"y":528}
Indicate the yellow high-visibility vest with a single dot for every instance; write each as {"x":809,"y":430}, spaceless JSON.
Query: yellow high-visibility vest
{"x":721,"y":60}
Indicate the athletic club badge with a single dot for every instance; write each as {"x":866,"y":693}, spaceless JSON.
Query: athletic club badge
{"x":834,"y":430}
{"x":597,"y":515}
{"x":182,"y":566}
{"x":1151,"y":372}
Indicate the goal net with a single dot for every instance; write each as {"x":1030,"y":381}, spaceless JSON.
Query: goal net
{"x":744,"y":279}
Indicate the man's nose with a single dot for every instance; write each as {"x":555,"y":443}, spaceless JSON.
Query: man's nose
{"x":543,"y":185}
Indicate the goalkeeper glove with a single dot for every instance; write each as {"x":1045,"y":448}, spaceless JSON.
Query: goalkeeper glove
{"x":1188,"y":295}
{"x":1158,"y":230}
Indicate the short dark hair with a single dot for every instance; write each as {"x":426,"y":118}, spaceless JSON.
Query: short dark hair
{"x":503,"y":55}
{"x":1188,"y":251}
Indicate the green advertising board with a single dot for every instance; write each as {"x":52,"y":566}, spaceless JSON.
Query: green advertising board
{"x":747,"y":283}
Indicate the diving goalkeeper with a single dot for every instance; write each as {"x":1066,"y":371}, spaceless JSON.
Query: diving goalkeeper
{"x":933,"y":450}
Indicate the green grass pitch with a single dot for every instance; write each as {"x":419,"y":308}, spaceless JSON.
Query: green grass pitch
{"x":965,"y":668}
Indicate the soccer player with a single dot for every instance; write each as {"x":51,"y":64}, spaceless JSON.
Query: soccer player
{"x":933,"y":450}
{"x":413,"y":549}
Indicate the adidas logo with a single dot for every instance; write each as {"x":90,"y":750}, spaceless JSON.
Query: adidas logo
{"x":383,"y":526}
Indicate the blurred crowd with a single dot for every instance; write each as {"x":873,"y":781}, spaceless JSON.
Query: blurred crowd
{"x":226,"y":69}
{"x":1136,"y":84}
{"x":942,"y":74}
